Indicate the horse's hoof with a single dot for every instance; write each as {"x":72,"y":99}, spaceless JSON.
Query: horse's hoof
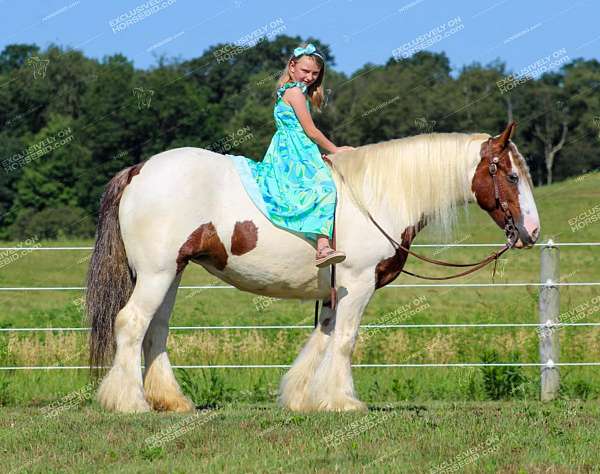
{"x":113,"y":397}
{"x":179,"y":404}
{"x":134,"y":406}
{"x":343,"y":404}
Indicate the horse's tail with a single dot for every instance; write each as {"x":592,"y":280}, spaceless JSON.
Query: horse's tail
{"x":110,"y":280}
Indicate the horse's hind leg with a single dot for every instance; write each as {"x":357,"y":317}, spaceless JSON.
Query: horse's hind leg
{"x":161,"y":388}
{"x":122,"y":389}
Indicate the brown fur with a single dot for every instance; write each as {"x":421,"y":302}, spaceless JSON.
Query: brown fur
{"x":204,"y":242}
{"x":244,"y":238}
{"x":134,"y":171}
{"x":483,"y":185}
{"x":109,"y":280}
{"x":388,"y":269}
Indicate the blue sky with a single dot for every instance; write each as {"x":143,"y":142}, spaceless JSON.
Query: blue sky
{"x":519,"y":32}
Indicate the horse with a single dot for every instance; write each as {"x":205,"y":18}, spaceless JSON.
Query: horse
{"x":189,"y":204}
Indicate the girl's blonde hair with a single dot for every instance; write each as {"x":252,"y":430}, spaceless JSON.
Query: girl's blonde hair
{"x":315,"y":90}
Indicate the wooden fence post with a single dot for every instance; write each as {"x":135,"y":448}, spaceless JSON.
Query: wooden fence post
{"x":549,"y":307}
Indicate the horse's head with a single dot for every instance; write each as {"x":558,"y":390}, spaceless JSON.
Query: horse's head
{"x":502,"y":187}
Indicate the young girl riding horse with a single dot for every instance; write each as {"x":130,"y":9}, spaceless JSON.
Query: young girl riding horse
{"x":296,"y":184}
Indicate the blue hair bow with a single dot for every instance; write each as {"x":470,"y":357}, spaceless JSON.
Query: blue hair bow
{"x":310,"y":49}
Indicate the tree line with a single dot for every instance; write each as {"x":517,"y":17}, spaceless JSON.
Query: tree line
{"x":68,"y":123}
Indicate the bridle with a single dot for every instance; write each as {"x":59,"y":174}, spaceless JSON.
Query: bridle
{"x":510,"y":229}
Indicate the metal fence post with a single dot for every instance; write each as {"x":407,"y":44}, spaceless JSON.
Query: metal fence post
{"x":549,"y":307}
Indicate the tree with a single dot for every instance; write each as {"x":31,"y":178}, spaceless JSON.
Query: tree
{"x":552,"y":126}
{"x":546,"y":136}
{"x":55,"y":160}
{"x":582,"y":107}
{"x":481,"y":106}
{"x":14,"y":56}
{"x":120,"y":115}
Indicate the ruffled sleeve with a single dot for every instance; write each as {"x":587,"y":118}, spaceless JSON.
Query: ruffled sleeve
{"x":287,"y":85}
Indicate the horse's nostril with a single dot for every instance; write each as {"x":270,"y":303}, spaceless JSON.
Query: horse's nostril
{"x":535,"y":233}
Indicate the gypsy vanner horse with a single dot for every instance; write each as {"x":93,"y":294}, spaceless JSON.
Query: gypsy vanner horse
{"x":188,"y":204}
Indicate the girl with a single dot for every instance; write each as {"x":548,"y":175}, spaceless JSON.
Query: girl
{"x":295,"y":182}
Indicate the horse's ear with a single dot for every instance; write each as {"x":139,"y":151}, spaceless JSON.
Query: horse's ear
{"x":507,"y":134}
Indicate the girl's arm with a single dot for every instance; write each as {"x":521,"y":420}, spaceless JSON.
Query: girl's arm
{"x":297,"y":100}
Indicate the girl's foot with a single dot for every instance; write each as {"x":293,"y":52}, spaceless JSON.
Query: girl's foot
{"x":327,"y":256}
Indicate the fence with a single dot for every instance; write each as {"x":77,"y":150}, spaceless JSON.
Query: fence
{"x":548,"y":318}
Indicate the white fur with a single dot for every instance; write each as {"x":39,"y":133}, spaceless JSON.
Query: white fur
{"x":531,"y":219}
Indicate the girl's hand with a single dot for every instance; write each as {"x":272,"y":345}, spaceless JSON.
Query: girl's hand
{"x":343,"y":148}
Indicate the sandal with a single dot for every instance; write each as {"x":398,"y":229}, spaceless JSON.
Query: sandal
{"x":329,"y":256}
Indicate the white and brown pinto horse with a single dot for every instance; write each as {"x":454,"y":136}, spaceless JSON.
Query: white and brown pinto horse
{"x":188,"y":204}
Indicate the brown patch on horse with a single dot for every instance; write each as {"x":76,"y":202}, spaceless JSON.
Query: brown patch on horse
{"x":389,"y":268}
{"x":482,"y":185}
{"x":204,"y":242}
{"x":245,"y":235}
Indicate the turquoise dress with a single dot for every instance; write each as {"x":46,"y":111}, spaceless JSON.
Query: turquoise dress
{"x":297,"y":190}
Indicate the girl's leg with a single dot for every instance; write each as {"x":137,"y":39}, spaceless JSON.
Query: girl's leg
{"x":325,"y":254}
{"x":323,"y":246}
{"x":322,"y":242}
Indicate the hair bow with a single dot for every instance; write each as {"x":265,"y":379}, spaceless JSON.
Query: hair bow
{"x":309,"y":49}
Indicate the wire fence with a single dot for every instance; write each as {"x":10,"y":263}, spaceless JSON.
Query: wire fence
{"x":547,"y":325}
{"x":359,"y":366}
{"x":363,"y":326}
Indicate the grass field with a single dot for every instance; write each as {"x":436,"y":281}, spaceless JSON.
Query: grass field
{"x":436,"y":414}
{"x":523,"y":437}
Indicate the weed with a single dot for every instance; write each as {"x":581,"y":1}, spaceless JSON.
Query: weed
{"x":501,"y":382}
{"x":211,"y":392}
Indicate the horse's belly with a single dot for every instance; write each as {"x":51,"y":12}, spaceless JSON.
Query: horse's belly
{"x":267,"y":275}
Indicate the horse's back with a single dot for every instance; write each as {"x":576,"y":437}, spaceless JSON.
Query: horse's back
{"x":174,"y":193}
{"x":180,"y":179}
{"x":185,"y":170}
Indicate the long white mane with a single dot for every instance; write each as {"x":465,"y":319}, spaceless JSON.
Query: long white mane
{"x":407,"y":178}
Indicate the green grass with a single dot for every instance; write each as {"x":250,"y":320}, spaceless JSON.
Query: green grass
{"x":440,"y":412}
{"x":407,"y":437}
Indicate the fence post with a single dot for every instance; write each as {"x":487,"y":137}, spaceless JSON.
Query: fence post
{"x":549,"y":307}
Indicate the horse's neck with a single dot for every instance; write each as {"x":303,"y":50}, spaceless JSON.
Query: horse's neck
{"x":397,"y":222}
{"x":417,"y":189}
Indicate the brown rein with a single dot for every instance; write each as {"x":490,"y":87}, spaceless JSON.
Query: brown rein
{"x":474,"y":266}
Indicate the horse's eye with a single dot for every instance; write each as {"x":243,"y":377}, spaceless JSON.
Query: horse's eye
{"x":513,"y":178}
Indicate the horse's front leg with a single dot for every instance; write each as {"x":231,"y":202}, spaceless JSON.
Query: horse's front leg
{"x":293,"y":390}
{"x":321,"y":377}
{"x":332,"y":387}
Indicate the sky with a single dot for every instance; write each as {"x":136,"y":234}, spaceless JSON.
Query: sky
{"x":518,"y":32}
